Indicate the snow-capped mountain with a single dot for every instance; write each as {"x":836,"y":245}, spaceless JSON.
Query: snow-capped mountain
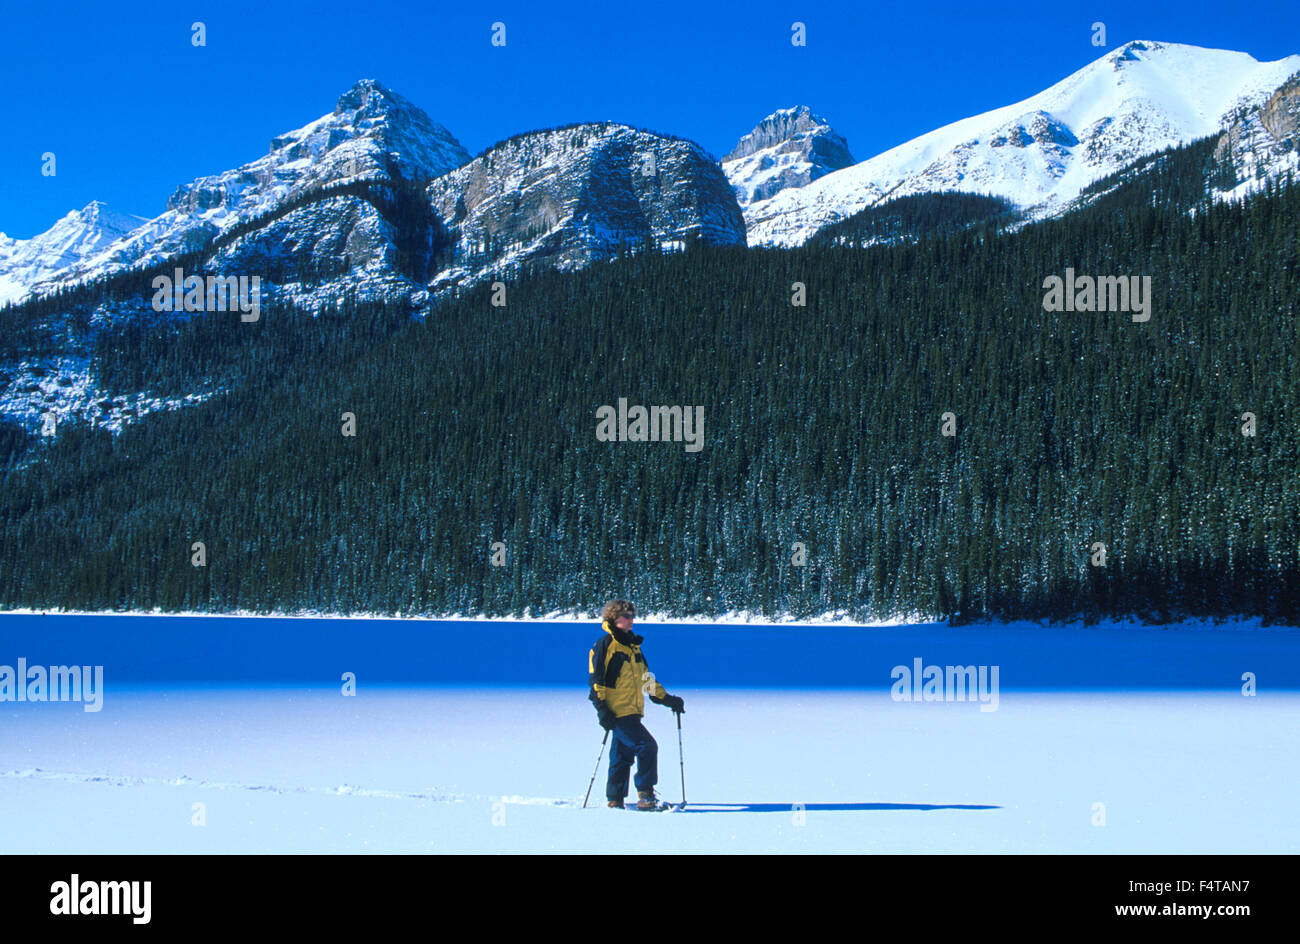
{"x":789,"y":148}
{"x":1040,"y":152}
{"x":568,"y":196}
{"x":372,"y":200}
{"x":73,"y":239}
{"x":375,"y":199}
{"x":563,"y":196}
{"x":372,"y":134}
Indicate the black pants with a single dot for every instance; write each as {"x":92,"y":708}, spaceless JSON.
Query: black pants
{"x":631,"y":741}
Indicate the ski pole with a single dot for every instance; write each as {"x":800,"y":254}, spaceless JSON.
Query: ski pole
{"x":680,"y":759}
{"x":597,"y":767}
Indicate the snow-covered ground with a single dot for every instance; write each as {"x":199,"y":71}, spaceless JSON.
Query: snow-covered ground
{"x":479,"y":770}
{"x":1102,"y":739}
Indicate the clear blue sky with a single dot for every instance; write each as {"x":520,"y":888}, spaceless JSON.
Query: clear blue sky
{"x":132,"y":109}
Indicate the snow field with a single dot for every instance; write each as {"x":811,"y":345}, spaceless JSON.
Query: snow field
{"x":503,"y":770}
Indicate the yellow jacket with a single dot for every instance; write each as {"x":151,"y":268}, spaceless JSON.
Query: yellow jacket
{"x":619,"y":676}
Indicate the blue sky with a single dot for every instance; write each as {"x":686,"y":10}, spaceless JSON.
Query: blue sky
{"x":131,"y":109}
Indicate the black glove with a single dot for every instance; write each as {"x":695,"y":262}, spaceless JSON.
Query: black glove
{"x":606,"y":718}
{"x":675,"y":703}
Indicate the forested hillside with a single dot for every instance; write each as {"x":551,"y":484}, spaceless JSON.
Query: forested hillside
{"x":823,"y":426}
{"x":922,"y":214}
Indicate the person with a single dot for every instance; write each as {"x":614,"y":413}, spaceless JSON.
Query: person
{"x":618,"y":677}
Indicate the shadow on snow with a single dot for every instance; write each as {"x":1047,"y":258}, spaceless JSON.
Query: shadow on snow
{"x":694,"y":806}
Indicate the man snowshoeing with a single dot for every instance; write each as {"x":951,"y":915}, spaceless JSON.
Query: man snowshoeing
{"x":618,"y":675}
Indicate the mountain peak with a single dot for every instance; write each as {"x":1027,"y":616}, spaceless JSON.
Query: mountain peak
{"x":97,"y":211}
{"x":800,"y":114}
{"x":77,"y":235}
{"x":368,"y":121}
{"x":97,"y":215}
{"x":791,"y":147}
{"x":372,"y":134}
{"x":782,"y":125}
{"x":1131,"y":49}
{"x":372,"y":97}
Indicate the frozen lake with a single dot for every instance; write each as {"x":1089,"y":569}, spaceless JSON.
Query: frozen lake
{"x":477,"y":737}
